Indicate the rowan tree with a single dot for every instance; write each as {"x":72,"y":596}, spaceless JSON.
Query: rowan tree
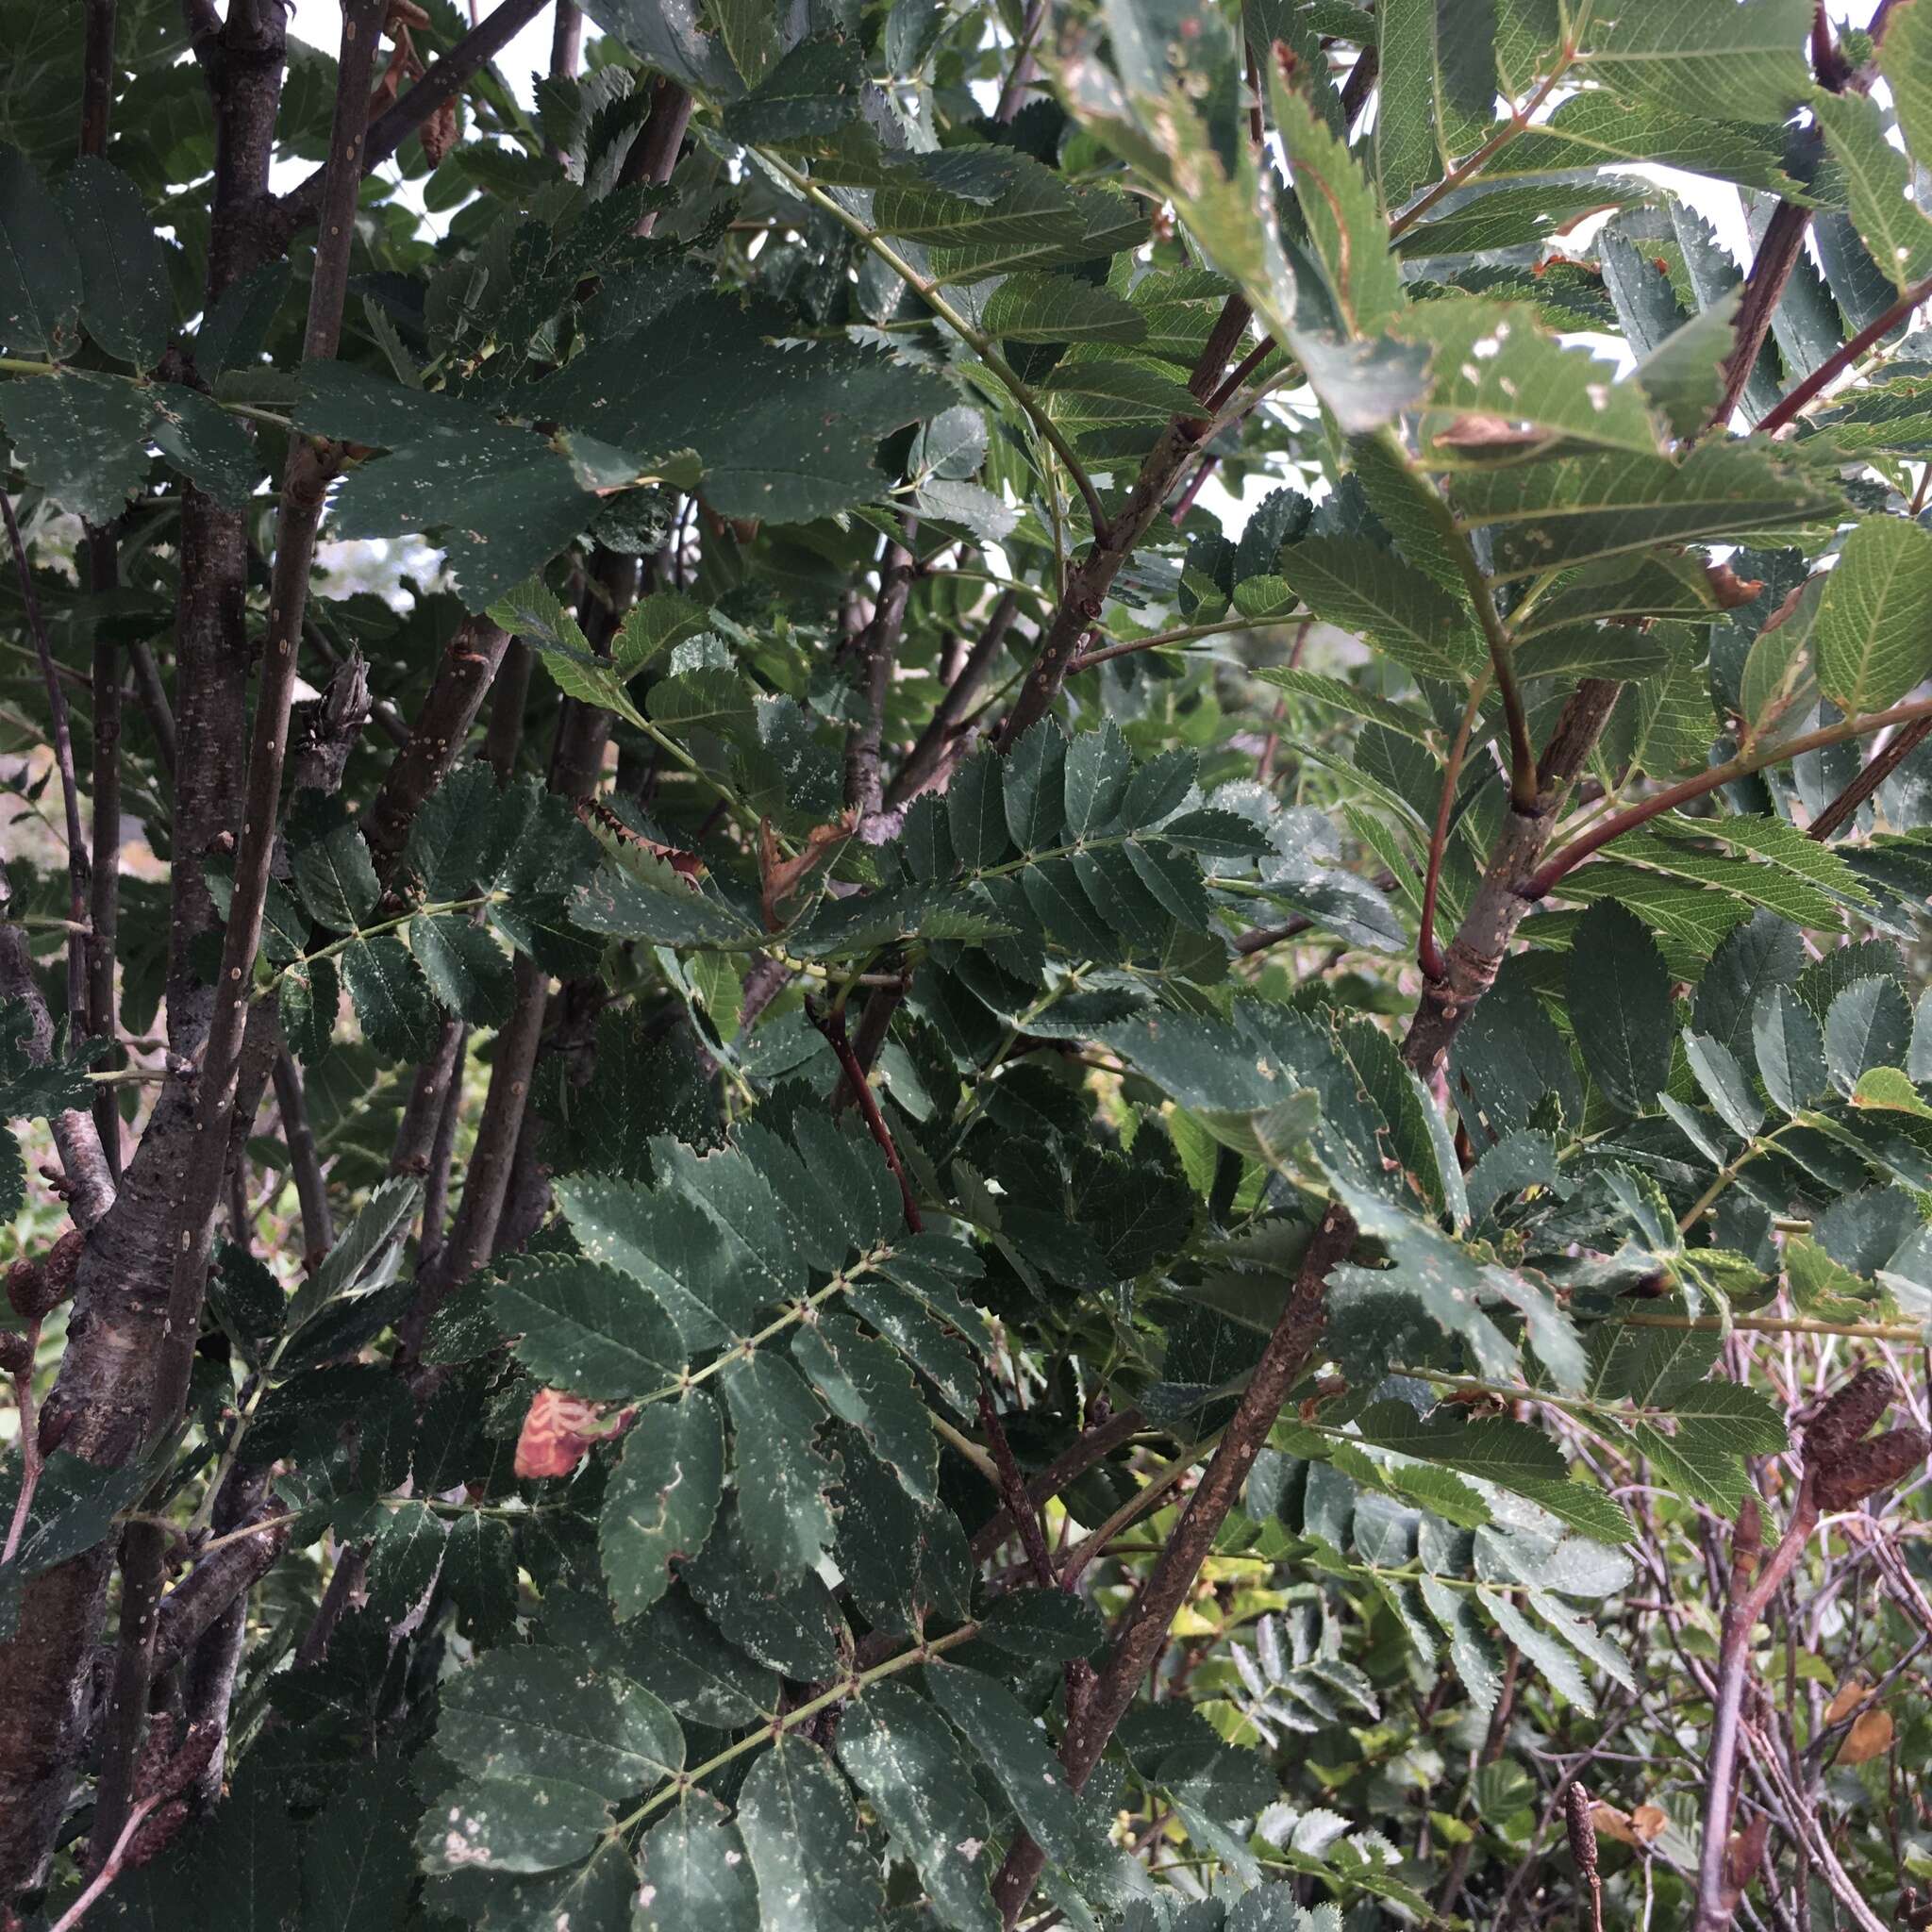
{"x":961,"y":965}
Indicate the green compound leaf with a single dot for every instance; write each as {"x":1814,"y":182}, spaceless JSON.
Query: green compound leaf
{"x":801,"y":1832}
{"x":660,"y":1499}
{"x":1874,"y":644}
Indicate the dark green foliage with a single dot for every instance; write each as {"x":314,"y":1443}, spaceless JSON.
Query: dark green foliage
{"x":1049,"y":878}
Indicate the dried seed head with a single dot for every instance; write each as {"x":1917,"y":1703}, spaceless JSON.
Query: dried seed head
{"x":37,"y":1288}
{"x":1743,"y":1854}
{"x":1846,"y":1416}
{"x":1582,"y":1829}
{"x":156,"y":1749}
{"x":187,"y":1765}
{"x":1863,"y":1468}
{"x":16,"y":1353}
{"x":439,"y":133}
{"x":153,"y":1834}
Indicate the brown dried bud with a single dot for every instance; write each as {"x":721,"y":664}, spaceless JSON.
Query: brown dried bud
{"x":63,"y":1262}
{"x":1743,"y":1854}
{"x":1747,"y":1541}
{"x":16,"y":1353}
{"x":154,"y":1833}
{"x":439,"y":133}
{"x":23,"y":1291}
{"x":1582,"y":1829}
{"x":1845,"y":1418}
{"x":1864,"y":1468}
{"x":187,"y":1765}
{"x":157,"y":1751}
{"x":37,"y":1288}
{"x":1728,"y":588}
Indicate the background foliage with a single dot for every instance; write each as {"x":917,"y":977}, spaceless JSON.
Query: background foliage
{"x":1050,"y":1050}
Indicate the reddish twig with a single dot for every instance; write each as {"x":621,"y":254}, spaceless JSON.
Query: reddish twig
{"x":832,"y":1024}
{"x":1842,"y":357}
{"x":1546,"y":879}
{"x":1021,"y":1511}
{"x":1778,"y":251}
{"x":1094,"y":1445}
{"x":1019,"y":73}
{"x":1882,"y":764}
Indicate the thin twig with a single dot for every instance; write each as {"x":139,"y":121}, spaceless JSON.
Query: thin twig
{"x":1018,"y":75}
{"x":1751,"y":1589}
{"x":1020,"y":1511}
{"x":441,"y":81}
{"x":1428,"y":955}
{"x":1881,"y":765}
{"x":109,"y":1871}
{"x":1842,"y":357}
{"x":1547,"y":875}
{"x":1091,"y":1446}
{"x":831,"y":1023}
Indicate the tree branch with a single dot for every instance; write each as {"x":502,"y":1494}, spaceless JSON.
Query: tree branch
{"x":1145,"y":1624}
{"x":936,"y":750}
{"x":873,"y":652}
{"x":304,"y":482}
{"x":1499,"y":905}
{"x":1716,"y":1902}
{"x":444,"y":79}
{"x":312,"y":1190}
{"x":1114,"y":543}
{"x":96,"y":77}
{"x":100,"y":566}
{"x":101,"y":570}
{"x":1546,"y":879}
{"x":1428,"y":955}
{"x":1093,"y":1445}
{"x":1842,"y":357}
{"x":90,"y":1189}
{"x":1778,"y":251}
{"x":1021,"y":72}
{"x":1882,"y":764}
{"x":1020,"y":1510}
{"x":463,"y":676}
{"x":654,"y":153}
{"x":832,"y":1024}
